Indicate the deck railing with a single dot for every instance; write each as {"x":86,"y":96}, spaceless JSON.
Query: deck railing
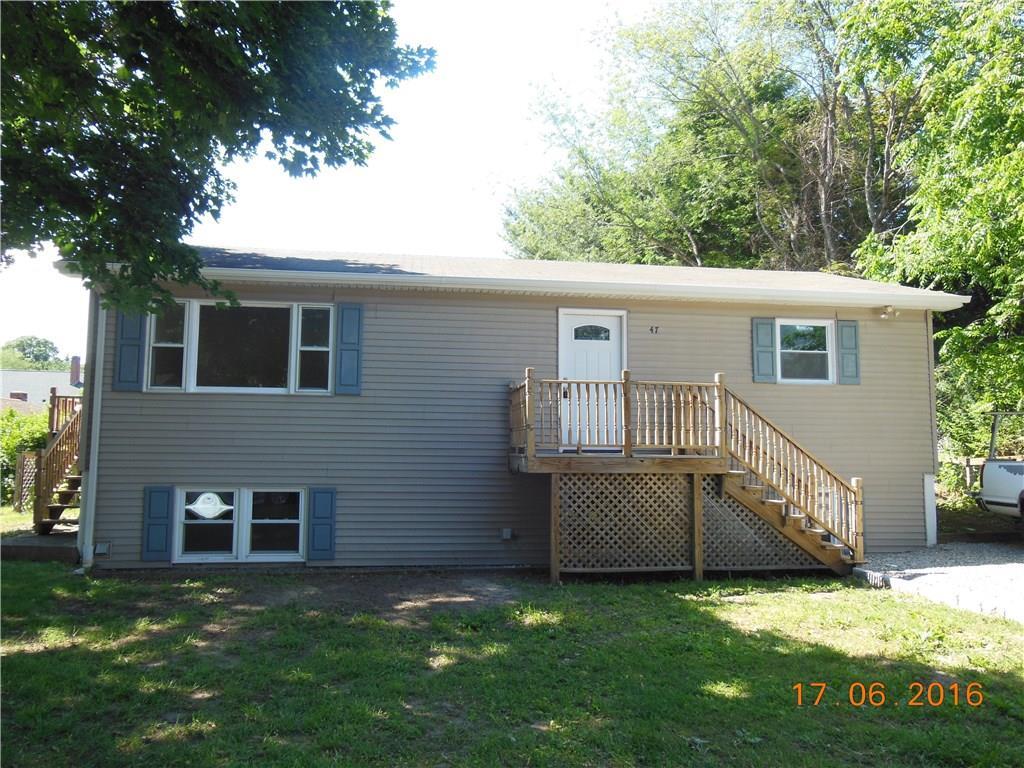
{"x":620,"y":415}
{"x":40,"y":473}
{"x":677,"y":418}
{"x":774,"y":459}
{"x":54,"y":463}
{"x":61,"y":409}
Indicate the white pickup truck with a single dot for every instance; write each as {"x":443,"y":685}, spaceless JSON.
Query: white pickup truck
{"x":1002,"y":480}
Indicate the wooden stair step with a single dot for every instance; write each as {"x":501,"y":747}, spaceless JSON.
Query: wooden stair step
{"x":73,"y":482}
{"x":832,"y":545}
{"x":812,"y":528}
{"x":737,"y":473}
{"x":56,"y":510}
{"x":757,"y":490}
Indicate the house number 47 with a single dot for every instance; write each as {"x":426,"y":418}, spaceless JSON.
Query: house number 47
{"x":655,"y":329}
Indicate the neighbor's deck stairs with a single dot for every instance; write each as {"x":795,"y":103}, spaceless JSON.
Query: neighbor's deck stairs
{"x":68,"y":498}
{"x":48,"y":480}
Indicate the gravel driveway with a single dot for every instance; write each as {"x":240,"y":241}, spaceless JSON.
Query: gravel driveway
{"x":985,"y":578}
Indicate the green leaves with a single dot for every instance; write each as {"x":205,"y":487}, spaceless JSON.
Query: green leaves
{"x":967,"y":215}
{"x":117,"y":117}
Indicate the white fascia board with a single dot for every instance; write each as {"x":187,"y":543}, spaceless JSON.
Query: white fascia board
{"x":933,"y":300}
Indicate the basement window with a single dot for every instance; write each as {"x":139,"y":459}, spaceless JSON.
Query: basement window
{"x":240,"y":524}
{"x":805,"y":351}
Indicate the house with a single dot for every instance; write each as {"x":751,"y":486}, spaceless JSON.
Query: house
{"x":34,"y":388}
{"x":413,"y":411}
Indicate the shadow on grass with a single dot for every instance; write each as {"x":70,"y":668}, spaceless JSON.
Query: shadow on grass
{"x":284,"y":670}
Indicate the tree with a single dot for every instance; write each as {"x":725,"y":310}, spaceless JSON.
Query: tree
{"x":18,"y":432}
{"x":117,"y":118}
{"x":32,"y":353}
{"x":967,"y":216}
{"x":765,"y":151}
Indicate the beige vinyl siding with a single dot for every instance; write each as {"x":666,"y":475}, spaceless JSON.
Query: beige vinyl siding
{"x":419,"y":459}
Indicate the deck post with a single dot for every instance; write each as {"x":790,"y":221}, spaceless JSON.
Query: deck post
{"x":721,"y":416}
{"x":529,"y":405}
{"x":19,"y":480}
{"x":555,"y":526}
{"x":627,"y":415}
{"x":858,"y":518}
{"x":677,"y":419}
{"x":54,"y":426}
{"x":39,"y":499}
{"x":698,"y":526}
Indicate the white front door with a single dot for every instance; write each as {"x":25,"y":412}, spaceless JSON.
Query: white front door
{"x":590,"y":348}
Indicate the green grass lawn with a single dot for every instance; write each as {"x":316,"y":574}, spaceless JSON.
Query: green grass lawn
{"x":12,"y":523}
{"x":278,"y":669}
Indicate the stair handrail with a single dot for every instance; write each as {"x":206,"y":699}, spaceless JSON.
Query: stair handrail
{"x":61,"y":409}
{"x":54,"y":463}
{"x":804,"y":493}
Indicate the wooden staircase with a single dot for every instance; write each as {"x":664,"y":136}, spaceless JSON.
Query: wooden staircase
{"x":584,"y":433}
{"x":68,"y":497}
{"x":793,"y":491}
{"x":48,"y":479}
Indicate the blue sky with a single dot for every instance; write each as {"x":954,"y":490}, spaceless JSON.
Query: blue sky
{"x":467,"y":135}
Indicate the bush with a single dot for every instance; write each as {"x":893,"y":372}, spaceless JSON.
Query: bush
{"x":18,"y":432}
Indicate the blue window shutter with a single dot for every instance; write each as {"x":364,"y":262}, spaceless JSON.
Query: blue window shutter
{"x":157,"y":523}
{"x":348,"y":376}
{"x":129,"y":352}
{"x":848,"y":341}
{"x":762,"y":342}
{"x":320,"y":524}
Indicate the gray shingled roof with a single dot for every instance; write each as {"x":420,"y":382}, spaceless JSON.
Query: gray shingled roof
{"x":566,"y":278}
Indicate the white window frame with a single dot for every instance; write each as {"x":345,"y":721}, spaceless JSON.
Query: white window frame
{"x":242,"y":542}
{"x":191,"y":356}
{"x":298,"y":349}
{"x":830,"y":348}
{"x":179,"y":525}
{"x":152,"y":343}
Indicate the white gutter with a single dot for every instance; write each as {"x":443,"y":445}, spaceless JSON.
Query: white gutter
{"x":87,"y":510}
{"x":919,"y":299}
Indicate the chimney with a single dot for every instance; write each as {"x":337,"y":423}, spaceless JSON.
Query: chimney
{"x":23,"y":396}
{"x":76,"y":371}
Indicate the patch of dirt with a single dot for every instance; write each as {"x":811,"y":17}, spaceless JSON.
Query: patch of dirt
{"x":407,"y":597}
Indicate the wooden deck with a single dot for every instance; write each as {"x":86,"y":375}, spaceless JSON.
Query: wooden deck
{"x":567,"y":425}
{"x":746,"y":494}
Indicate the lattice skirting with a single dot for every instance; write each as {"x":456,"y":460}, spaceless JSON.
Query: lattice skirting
{"x":644,"y":522}
{"x":610,"y":522}
{"x":737,"y":539}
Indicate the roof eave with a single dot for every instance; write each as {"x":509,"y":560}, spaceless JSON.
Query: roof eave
{"x":933,"y":300}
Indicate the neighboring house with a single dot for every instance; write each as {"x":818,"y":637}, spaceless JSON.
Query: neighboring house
{"x":33,"y":387}
{"x":367,"y":411}
{"x":18,"y":405}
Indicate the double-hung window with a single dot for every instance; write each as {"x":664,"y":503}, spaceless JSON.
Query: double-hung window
{"x":314,"y":363}
{"x":198,"y":346}
{"x":805,"y":351}
{"x":240,"y":524}
{"x":167,"y":351}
